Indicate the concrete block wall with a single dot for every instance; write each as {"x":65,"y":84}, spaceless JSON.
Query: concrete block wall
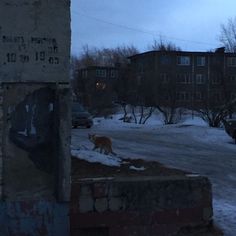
{"x":149,"y":206}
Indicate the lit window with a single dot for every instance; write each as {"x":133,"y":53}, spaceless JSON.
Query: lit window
{"x":200,"y":79}
{"x":100,"y":86}
{"x":201,"y":61}
{"x":183,"y":60}
{"x":231,"y":61}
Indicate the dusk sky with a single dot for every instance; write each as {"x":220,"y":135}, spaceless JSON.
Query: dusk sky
{"x":193,"y":25}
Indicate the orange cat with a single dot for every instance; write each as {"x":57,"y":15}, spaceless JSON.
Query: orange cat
{"x":102,"y":142}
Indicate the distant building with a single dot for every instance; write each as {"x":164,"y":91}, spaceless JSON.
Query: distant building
{"x":96,"y":86}
{"x":188,"y":79}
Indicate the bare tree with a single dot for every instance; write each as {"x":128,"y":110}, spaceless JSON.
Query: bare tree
{"x":141,"y":113}
{"x":165,"y":91}
{"x":139,"y":96}
{"x":214,"y":115}
{"x":105,"y":56}
{"x":228,"y":35}
{"x":217,"y":106}
{"x":90,"y":57}
{"x":167,"y":104}
{"x":163,"y":45}
{"x":84,"y":89}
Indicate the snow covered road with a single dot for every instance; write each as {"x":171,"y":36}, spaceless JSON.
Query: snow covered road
{"x":191,"y":147}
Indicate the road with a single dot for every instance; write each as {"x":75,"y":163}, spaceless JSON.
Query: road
{"x":176,"y":146}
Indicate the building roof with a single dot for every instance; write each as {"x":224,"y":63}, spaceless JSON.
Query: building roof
{"x":182,"y":52}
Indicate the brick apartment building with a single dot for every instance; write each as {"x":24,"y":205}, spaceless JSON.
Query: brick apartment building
{"x":96,"y":86}
{"x":187,"y":79}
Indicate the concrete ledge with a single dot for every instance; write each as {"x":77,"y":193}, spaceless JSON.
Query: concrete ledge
{"x":159,"y":205}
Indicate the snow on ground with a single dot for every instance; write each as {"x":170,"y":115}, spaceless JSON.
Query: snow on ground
{"x":189,"y":145}
{"x":225,"y":210}
{"x":95,"y":157}
{"x":137,"y":168}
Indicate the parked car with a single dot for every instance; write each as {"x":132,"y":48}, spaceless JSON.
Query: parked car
{"x":230,"y":128}
{"x":80,"y":117}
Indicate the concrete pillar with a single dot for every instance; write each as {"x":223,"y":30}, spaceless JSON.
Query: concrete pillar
{"x":35,"y":99}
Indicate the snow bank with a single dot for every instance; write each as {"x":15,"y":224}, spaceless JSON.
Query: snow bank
{"x":96,"y":157}
{"x":197,"y":121}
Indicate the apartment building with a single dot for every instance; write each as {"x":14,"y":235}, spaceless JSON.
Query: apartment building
{"x":186,"y":79}
{"x":96,"y":85}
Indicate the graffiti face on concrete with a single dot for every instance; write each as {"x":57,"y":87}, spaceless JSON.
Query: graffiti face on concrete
{"x":32,"y":127}
{"x":30,"y":141}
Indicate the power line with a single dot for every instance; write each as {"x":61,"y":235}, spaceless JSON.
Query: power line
{"x":111,"y":23}
{"x":153,"y":33}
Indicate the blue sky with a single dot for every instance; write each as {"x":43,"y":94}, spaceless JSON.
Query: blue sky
{"x":194,"y":25}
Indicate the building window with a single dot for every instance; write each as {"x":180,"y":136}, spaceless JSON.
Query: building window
{"x":183,"y":96}
{"x":113,"y":73}
{"x":201,"y":61}
{"x":165,"y":60}
{"x":198,"y":96}
{"x":216,"y":80}
{"x":101,"y":73}
{"x":139,"y":80}
{"x":231,"y":61}
{"x":140,"y":68}
{"x":164,"y":78}
{"x":183,"y":60}
{"x":232,"y":78}
{"x":100,"y":86}
{"x":84,"y":73}
{"x":184,"y":78}
{"x":216,"y":60}
{"x":200,"y":79}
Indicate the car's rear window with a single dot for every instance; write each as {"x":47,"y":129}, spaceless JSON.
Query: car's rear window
{"x":76,"y":107}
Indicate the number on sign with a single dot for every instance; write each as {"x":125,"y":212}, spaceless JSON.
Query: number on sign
{"x":53,"y":60}
{"x":11,"y":57}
